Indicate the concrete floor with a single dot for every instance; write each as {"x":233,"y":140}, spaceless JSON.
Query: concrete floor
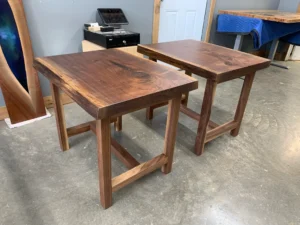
{"x":251,"y":179}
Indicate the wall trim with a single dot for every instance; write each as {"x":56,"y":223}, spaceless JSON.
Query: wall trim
{"x":210,"y":20}
{"x":48,"y":104}
{"x":156,"y":20}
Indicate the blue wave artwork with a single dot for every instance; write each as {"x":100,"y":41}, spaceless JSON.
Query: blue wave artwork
{"x":11,"y":44}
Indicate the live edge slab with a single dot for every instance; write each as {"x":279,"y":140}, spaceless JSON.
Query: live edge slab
{"x":215,"y":63}
{"x":269,"y":15}
{"x":108,"y":84}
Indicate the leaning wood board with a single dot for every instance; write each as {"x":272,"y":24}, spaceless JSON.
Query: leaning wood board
{"x":270,"y":15}
{"x":18,"y":79}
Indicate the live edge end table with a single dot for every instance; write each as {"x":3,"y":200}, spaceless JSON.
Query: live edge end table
{"x":216,"y":64}
{"x":108,"y":84}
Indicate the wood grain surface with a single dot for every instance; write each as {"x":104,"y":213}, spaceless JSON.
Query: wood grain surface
{"x":270,"y":15}
{"x":111,"y":82}
{"x":206,"y":60}
{"x":104,"y":161}
{"x":60,"y":118}
{"x":156,"y":21}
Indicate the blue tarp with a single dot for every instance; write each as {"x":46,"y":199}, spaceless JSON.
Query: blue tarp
{"x":262,"y":31}
{"x":292,"y":38}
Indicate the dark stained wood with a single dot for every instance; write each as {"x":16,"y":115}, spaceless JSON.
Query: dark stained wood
{"x":269,"y":15}
{"x":206,"y":60}
{"x":186,"y":95}
{"x":138,"y":172}
{"x":220,"y":130}
{"x":109,"y":84}
{"x":150,"y":110}
{"x":171,"y":131}
{"x":243,"y":103}
{"x":208,"y":99}
{"x":104,"y":161}
{"x":196,"y":116}
{"x":128,"y":160}
{"x":60,"y":118}
{"x":118,"y":123}
{"x":215,"y":63}
{"x":82,"y":128}
{"x":117,"y":85}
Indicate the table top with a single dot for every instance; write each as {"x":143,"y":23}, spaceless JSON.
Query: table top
{"x":270,"y":15}
{"x":111,"y":82}
{"x":204,"y":59}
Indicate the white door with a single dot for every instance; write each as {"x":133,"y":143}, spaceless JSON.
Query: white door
{"x":181,"y":19}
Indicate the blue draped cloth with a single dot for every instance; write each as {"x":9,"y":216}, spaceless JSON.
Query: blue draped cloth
{"x":262,"y":31}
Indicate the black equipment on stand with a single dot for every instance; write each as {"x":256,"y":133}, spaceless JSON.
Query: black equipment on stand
{"x":111,"y":34}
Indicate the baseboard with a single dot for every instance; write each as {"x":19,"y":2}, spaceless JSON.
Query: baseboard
{"x":48,"y":104}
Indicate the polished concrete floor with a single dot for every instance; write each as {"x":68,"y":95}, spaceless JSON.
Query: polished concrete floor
{"x":251,"y":179}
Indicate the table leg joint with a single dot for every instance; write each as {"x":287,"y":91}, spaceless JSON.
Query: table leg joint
{"x":220,"y":130}
{"x":138,"y":172}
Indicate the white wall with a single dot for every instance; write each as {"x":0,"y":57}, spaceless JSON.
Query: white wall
{"x":288,"y":5}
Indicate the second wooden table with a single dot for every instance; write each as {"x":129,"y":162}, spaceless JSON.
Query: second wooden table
{"x":215,"y":63}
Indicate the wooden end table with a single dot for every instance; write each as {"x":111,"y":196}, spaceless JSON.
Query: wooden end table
{"x":215,"y":63}
{"x":108,"y":84}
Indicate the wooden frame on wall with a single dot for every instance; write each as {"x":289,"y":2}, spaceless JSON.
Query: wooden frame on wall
{"x":156,"y":20}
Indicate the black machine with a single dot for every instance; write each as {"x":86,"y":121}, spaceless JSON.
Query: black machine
{"x":111,"y":34}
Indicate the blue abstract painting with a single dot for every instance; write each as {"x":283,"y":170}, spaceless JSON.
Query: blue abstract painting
{"x":11,"y":44}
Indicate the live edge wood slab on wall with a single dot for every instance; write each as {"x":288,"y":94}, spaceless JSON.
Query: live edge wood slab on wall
{"x":23,"y":97}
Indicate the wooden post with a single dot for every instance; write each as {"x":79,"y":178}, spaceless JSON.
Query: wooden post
{"x":60,"y":118}
{"x":243,"y":103}
{"x":171,"y":130}
{"x":156,"y":19}
{"x":104,"y":161}
{"x":210,"y":20}
{"x":208,"y":99}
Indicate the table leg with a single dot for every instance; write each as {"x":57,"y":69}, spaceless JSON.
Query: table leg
{"x":104,"y":161}
{"x":272,"y":53}
{"x":208,"y":99}
{"x":118,"y":124}
{"x":242,"y":103}
{"x":186,"y":99}
{"x":150,"y":110}
{"x":238,"y":42}
{"x":60,"y":118}
{"x":171,"y":130}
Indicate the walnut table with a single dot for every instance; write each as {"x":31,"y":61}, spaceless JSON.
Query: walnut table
{"x":107,"y":84}
{"x":215,"y":63}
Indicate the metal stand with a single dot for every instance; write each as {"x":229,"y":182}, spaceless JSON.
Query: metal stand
{"x":238,"y":45}
{"x":272,"y":53}
{"x":238,"y":42}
